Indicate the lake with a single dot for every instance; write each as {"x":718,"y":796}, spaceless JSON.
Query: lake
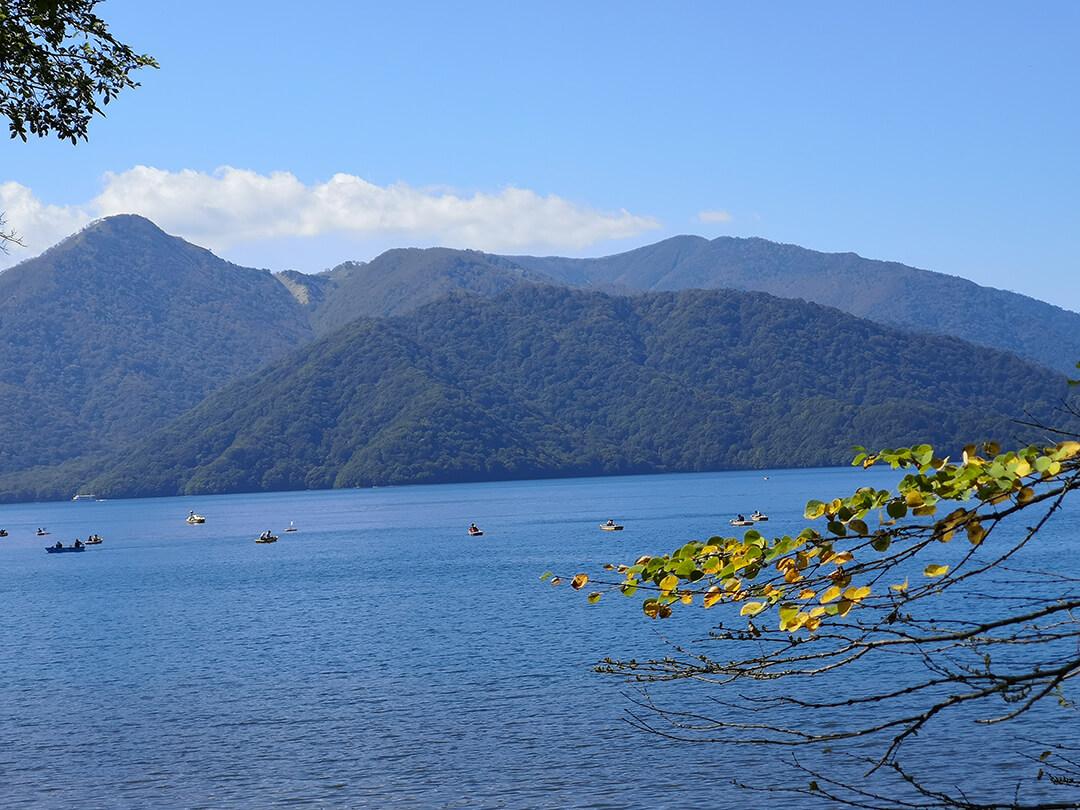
{"x":377,"y":657}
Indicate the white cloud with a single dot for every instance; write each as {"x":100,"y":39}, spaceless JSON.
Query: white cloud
{"x":36,"y":224}
{"x":235,"y":206}
{"x":714,"y":217}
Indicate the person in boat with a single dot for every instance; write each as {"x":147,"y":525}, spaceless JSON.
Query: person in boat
{"x":58,"y":544}
{"x":78,"y":543}
{"x":739,"y":517}
{"x":610,"y":522}
{"x":473,"y":528}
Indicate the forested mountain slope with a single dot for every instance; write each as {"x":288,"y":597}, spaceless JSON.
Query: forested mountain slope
{"x":551,"y":381}
{"x":401,"y":280}
{"x":120,"y":328}
{"x":887,"y":292}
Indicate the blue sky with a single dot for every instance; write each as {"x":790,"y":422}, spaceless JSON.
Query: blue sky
{"x":944,"y":135}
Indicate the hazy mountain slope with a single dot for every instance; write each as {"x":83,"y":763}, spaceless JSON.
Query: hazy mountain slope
{"x":886,"y":292}
{"x":402,"y":280}
{"x":549,"y":381}
{"x":120,"y":328}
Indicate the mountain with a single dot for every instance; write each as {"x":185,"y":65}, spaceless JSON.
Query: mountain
{"x":120,"y":328}
{"x":886,"y":292}
{"x":401,"y":280}
{"x":551,"y":381}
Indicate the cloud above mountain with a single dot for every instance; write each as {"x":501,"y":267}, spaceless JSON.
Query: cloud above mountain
{"x":233,"y":206}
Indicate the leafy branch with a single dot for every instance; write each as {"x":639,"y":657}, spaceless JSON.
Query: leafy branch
{"x":865,"y":590}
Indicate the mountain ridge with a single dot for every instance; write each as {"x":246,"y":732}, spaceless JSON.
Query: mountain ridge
{"x":548,"y":381}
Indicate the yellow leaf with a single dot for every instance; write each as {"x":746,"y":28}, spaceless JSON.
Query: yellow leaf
{"x":1068,"y":449}
{"x":903,"y":586}
{"x":712,"y":596}
{"x":578,"y":582}
{"x":712,"y":566}
{"x":752,"y":608}
{"x":787,"y":614}
{"x":806,"y":593}
{"x":817,"y":611}
{"x":841,"y":558}
{"x":854,"y":594}
{"x":830,"y":594}
{"x":935,"y":570}
{"x":1022,"y":468}
{"x":687,"y":599}
{"x":975,"y":532}
{"x":594,"y":597}
{"x":844,"y":606}
{"x":669,"y":583}
{"x":1025,"y":495}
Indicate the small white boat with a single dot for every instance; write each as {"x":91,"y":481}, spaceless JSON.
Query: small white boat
{"x":192,"y":518}
{"x":291,"y":527}
{"x":84,"y":498}
{"x":758,"y":517}
{"x":266,"y":538}
{"x":475,"y":531}
{"x":611,"y":526}
{"x":743,"y":522}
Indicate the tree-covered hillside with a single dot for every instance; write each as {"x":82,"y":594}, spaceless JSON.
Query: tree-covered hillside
{"x":401,"y":280}
{"x":550,"y":381}
{"x":120,"y":328}
{"x":887,"y":292}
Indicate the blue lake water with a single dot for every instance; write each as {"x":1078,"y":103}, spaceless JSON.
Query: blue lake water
{"x":377,"y":657}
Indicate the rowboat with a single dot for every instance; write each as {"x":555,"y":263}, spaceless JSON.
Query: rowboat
{"x":63,"y":549}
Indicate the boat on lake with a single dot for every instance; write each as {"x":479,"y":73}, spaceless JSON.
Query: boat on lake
{"x":84,"y":498}
{"x":64,"y":549}
{"x":41,"y":533}
{"x":741,"y":521}
{"x":475,"y":531}
{"x":93,"y":540}
{"x":192,"y":518}
{"x":759,"y":517}
{"x":3,"y":532}
{"x":611,"y":526}
{"x":266,"y":537}
{"x":291,"y":527}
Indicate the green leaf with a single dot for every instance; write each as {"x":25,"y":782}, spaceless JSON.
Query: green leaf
{"x":546,"y":575}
